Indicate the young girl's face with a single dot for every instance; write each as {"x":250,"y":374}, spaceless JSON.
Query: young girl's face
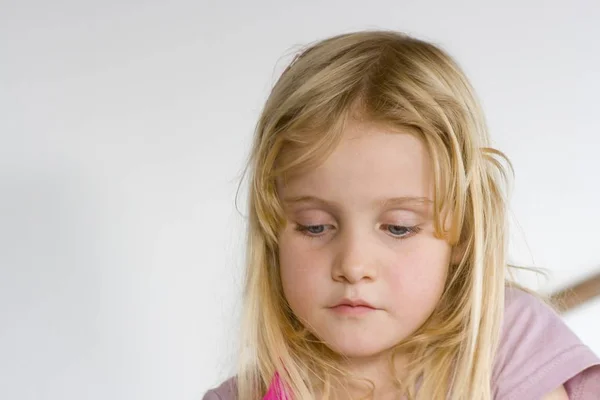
{"x":348,"y":242}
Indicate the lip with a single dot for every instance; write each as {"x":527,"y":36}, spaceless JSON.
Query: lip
{"x":354,"y":303}
{"x":352,"y":307}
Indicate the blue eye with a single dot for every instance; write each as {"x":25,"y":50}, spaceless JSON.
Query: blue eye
{"x":402,"y":232}
{"x":310,"y":230}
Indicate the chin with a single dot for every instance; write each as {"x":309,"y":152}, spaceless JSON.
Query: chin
{"x":358,"y":346}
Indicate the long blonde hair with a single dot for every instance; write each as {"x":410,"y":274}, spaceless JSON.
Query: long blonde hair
{"x":393,"y":79}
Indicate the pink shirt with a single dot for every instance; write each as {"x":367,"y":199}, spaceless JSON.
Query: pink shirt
{"x":537,"y":354}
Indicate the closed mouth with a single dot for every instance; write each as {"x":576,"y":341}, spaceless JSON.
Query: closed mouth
{"x":354,"y":303}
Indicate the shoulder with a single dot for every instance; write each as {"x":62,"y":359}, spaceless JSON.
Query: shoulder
{"x":225,"y":391}
{"x":538,"y":352}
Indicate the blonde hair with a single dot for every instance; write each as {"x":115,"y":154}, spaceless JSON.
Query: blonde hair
{"x":389,"y":78}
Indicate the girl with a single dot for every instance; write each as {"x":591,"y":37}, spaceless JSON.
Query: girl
{"x":376,"y":264}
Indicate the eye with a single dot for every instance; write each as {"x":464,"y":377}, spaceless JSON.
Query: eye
{"x":401,"y":232}
{"x":311,"y":230}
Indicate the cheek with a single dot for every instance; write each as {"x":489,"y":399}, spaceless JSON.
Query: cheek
{"x":302,"y":272}
{"x":421,"y":274}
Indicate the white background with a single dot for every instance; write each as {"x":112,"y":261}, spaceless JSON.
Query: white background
{"x":124,"y":130}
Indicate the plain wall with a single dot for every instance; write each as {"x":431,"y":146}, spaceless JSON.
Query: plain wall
{"x":124,"y":130}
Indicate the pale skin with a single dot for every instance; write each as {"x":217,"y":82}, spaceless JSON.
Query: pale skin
{"x":343,"y":240}
{"x":558,"y":394}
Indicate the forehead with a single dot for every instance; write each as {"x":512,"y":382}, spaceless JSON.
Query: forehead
{"x":369,"y":162}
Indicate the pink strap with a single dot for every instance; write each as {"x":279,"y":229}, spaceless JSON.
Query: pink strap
{"x":276,"y":390}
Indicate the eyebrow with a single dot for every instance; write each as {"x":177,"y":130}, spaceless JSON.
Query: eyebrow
{"x":382,"y":203}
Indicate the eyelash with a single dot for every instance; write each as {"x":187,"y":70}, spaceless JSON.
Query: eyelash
{"x":411,"y":231}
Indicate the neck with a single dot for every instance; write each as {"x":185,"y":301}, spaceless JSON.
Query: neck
{"x":374,"y":369}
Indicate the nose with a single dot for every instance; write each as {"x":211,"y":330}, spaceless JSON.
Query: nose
{"x":356,"y":259}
